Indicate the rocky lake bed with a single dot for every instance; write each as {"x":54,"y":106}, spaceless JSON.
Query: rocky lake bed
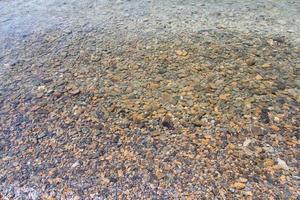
{"x":131,"y":100}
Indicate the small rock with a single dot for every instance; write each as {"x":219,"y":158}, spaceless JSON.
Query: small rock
{"x":266,"y":65}
{"x":42,"y":135}
{"x":275,"y":128}
{"x":205,"y":141}
{"x":247,"y":142}
{"x":57,"y":94}
{"x":166,"y":122}
{"x":281,"y":85}
{"x":248,"y":103}
{"x":268,"y":149}
{"x":268,"y":162}
{"x":224,"y":96}
{"x":258,"y":77}
{"x":39,"y":94}
{"x":282,"y":164}
{"x":95,"y":58}
{"x":279,"y":39}
{"x":238,"y":185}
{"x":159,"y":174}
{"x":45,"y":134}
{"x":75,"y":164}
{"x":181,"y":52}
{"x":162,"y":71}
{"x":153,"y":86}
{"x":248,"y":193}
{"x":77,"y":111}
{"x":41,"y":88}
{"x":264,"y":116}
{"x":231,"y":146}
{"x":115,"y":78}
{"x":137,"y":118}
{"x":282,"y":179}
{"x":74,"y":92}
{"x":243,"y":180}
{"x":57,"y":63}
{"x":151,"y":106}
{"x":197,"y":121}
{"x":113,"y":179}
{"x":85,"y":130}
{"x":250,"y":61}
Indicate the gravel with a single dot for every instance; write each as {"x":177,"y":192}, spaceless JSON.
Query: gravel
{"x":149,"y":99}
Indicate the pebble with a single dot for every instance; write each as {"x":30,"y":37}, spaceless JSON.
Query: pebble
{"x":137,"y":118}
{"x":85,"y":130}
{"x":282,"y":164}
{"x":238,"y":185}
{"x":250,"y":61}
{"x":269,"y":163}
{"x":279,"y":39}
{"x":57,"y":94}
{"x":258,"y":77}
{"x":181,"y":52}
{"x":264,"y":116}
{"x":266,"y":65}
{"x":247,"y":142}
{"x":167,"y":122}
{"x":74,"y":92}
{"x":275,"y":128}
